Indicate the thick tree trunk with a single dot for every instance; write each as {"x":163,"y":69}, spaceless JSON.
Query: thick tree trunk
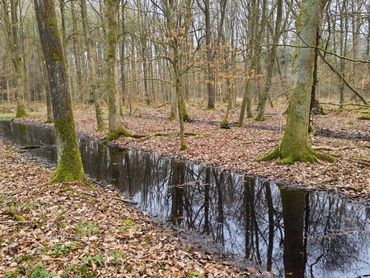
{"x":69,"y":166}
{"x":295,"y":144}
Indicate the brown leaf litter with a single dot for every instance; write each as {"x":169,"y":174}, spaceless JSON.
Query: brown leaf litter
{"x":75,"y":230}
{"x":238,"y":148}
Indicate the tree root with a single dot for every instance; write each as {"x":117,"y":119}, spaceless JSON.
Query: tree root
{"x":309,"y":155}
{"x":21,"y":111}
{"x":183,"y":147}
{"x":225,"y":124}
{"x":115,"y":134}
{"x":189,"y":133}
{"x":186,"y":118}
{"x":364,"y":117}
{"x":158,"y":134}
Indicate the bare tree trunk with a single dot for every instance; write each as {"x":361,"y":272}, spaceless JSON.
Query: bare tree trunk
{"x":69,"y":167}
{"x":76,"y":42}
{"x":91,"y":67}
{"x":62,"y":4}
{"x":180,"y":103}
{"x":122,"y":58}
{"x":252,"y":58}
{"x":116,"y":128}
{"x":143,"y":50}
{"x":295,"y":144}
{"x":49,"y":109}
{"x":343,"y":50}
{"x":271,"y":62}
{"x":177,"y":34}
{"x":210,"y":70}
{"x":17,"y":58}
{"x":24,"y":62}
{"x":315,"y":107}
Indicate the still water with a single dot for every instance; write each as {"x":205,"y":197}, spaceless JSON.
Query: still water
{"x":292,"y":233}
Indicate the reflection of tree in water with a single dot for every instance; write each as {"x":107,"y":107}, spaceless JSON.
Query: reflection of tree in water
{"x":230,"y":210}
{"x":293,"y":203}
{"x":243,"y":214}
{"x":337,"y":235}
{"x":271,"y":227}
{"x":147,"y":175}
{"x":328,"y":237}
{"x":177,"y":191}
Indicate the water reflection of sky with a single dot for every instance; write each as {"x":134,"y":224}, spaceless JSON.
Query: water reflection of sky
{"x":243,"y":214}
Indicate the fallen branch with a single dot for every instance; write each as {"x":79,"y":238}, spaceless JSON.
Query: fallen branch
{"x":328,"y":148}
{"x":8,"y":193}
{"x":30,"y":147}
{"x":157,"y":134}
{"x":361,"y":161}
{"x":136,"y":136}
{"x":346,"y":104}
{"x":15,"y":222}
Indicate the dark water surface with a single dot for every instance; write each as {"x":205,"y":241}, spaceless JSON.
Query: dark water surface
{"x":292,"y":232}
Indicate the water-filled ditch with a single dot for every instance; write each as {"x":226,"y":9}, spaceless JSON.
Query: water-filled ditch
{"x":293,"y":233}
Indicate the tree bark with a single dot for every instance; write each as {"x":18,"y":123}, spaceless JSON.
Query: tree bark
{"x":76,"y":42}
{"x":115,"y":127}
{"x":315,"y":107}
{"x":295,"y":144}
{"x":91,"y":68}
{"x":210,"y":70}
{"x":69,"y":167}
{"x":271,"y":62}
{"x":17,"y":58}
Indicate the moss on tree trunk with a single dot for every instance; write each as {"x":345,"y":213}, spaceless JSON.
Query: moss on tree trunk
{"x":69,"y":166}
{"x":115,"y":125}
{"x":21,"y":110}
{"x":295,"y":145}
{"x":185,"y":116}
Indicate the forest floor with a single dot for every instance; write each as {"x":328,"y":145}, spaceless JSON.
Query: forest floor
{"x":76,"y":230}
{"x":238,"y":148}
